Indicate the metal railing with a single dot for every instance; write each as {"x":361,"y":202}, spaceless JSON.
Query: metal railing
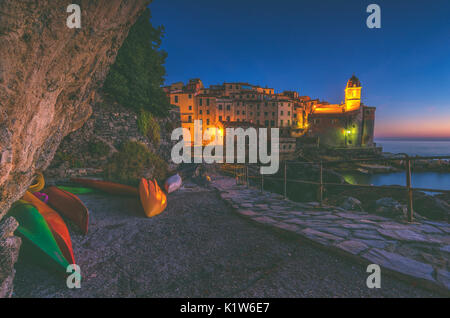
{"x":242,"y":175}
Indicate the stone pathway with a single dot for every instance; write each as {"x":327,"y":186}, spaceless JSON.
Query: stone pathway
{"x":418,"y":251}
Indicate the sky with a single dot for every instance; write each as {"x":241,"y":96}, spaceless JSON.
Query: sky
{"x":314,"y":47}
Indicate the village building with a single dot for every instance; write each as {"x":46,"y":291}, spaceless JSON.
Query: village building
{"x":349,"y":124}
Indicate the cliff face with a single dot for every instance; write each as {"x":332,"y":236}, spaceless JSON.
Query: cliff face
{"x":48,"y":76}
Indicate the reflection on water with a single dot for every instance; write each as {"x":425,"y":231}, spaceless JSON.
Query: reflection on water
{"x":428,"y":180}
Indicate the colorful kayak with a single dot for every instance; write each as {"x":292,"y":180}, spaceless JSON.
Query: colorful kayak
{"x":39,"y":183}
{"x":173,"y":183}
{"x":56,"y":225}
{"x":79,"y":190}
{"x":108,"y":187}
{"x":153,"y":200}
{"x":70,"y":206}
{"x":38,"y":240}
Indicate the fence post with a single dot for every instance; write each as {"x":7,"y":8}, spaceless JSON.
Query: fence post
{"x":409,"y":191}
{"x":321,"y":184}
{"x":285,"y":180}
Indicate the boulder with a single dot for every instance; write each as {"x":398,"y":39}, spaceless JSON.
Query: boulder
{"x":390,"y":208}
{"x":352,"y":204}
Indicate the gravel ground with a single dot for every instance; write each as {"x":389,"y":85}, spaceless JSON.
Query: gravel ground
{"x":198,"y":248}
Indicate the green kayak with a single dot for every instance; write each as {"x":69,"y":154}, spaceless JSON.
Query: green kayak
{"x":38,"y":244}
{"x":79,"y":190}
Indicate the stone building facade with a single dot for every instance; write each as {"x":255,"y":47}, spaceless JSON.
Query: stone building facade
{"x":350,"y":124}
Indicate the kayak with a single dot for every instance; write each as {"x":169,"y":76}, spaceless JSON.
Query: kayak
{"x":78,"y":190}
{"x":173,"y":183}
{"x":70,"y":206}
{"x":38,"y":241}
{"x":153,"y":200}
{"x":108,"y":187}
{"x":56,"y":225}
{"x":39,"y":183}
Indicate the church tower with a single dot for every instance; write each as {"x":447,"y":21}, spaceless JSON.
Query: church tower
{"x":353,"y":94}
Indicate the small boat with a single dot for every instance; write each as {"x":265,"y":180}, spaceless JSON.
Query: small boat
{"x":79,"y":190}
{"x":173,"y":183}
{"x":56,"y":225}
{"x":39,"y":183}
{"x":70,"y":206}
{"x":38,"y":242}
{"x":153,"y":199}
{"x":108,"y":187}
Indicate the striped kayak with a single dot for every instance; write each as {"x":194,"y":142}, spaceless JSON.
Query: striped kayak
{"x":79,"y":190}
{"x":38,"y":241}
{"x":153,"y":200}
{"x":108,"y":187}
{"x":56,"y":225}
{"x":70,"y":206}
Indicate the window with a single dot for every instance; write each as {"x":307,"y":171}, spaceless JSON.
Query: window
{"x":243,"y":112}
{"x":289,"y":113}
{"x":200,"y":102}
{"x":220,"y":107}
{"x":281,"y":122}
{"x":176,"y":99}
{"x":237,"y":112}
{"x":282,"y":113}
{"x":272,"y":122}
{"x":190,"y":107}
{"x":207,"y":112}
{"x":207,"y":102}
{"x":289,"y":122}
{"x":257,"y":121}
{"x":220,"y":118}
{"x":207,"y":121}
{"x":190,"y":119}
{"x":190,"y":96}
{"x":228,"y":118}
{"x":273,"y":113}
{"x":266,"y":123}
{"x":200,"y":111}
{"x":228,"y":107}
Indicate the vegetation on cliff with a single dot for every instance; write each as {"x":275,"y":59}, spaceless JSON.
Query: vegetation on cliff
{"x":148,"y":126}
{"x":128,"y":164}
{"x":135,"y":79}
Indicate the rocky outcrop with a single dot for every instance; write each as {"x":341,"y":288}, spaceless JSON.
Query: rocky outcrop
{"x":48,"y":77}
{"x":9,"y":252}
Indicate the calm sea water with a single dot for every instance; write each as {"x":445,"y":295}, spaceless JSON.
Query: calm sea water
{"x":416,"y":147}
{"x":429,"y":180}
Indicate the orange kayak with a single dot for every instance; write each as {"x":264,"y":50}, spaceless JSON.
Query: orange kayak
{"x":108,"y":187}
{"x":56,"y":225}
{"x":153,"y":200}
{"x":70,"y":206}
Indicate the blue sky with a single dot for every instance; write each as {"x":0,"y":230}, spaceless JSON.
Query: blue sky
{"x":315,"y":46}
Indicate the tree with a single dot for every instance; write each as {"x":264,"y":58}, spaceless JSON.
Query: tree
{"x":135,"y":79}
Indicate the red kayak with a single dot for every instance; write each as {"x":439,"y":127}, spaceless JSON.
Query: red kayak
{"x":108,"y":187}
{"x":56,"y":225}
{"x":70,"y":206}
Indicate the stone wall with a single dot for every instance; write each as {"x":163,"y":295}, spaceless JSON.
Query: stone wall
{"x":109,"y":126}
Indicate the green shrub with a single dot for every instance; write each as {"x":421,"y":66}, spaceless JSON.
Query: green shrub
{"x":98,"y":148}
{"x":148,"y":126}
{"x":128,"y":165}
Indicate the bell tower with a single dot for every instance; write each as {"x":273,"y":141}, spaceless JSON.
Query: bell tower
{"x":353,"y":94}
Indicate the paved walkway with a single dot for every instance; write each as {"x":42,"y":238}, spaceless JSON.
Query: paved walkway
{"x":417,"y":251}
{"x":199,"y":247}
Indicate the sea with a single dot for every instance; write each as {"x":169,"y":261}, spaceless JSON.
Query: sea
{"x":427,"y":180}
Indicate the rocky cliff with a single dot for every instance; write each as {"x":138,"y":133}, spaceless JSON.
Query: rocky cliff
{"x":48,"y":77}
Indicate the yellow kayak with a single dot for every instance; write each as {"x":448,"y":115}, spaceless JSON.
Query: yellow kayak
{"x":153,"y":199}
